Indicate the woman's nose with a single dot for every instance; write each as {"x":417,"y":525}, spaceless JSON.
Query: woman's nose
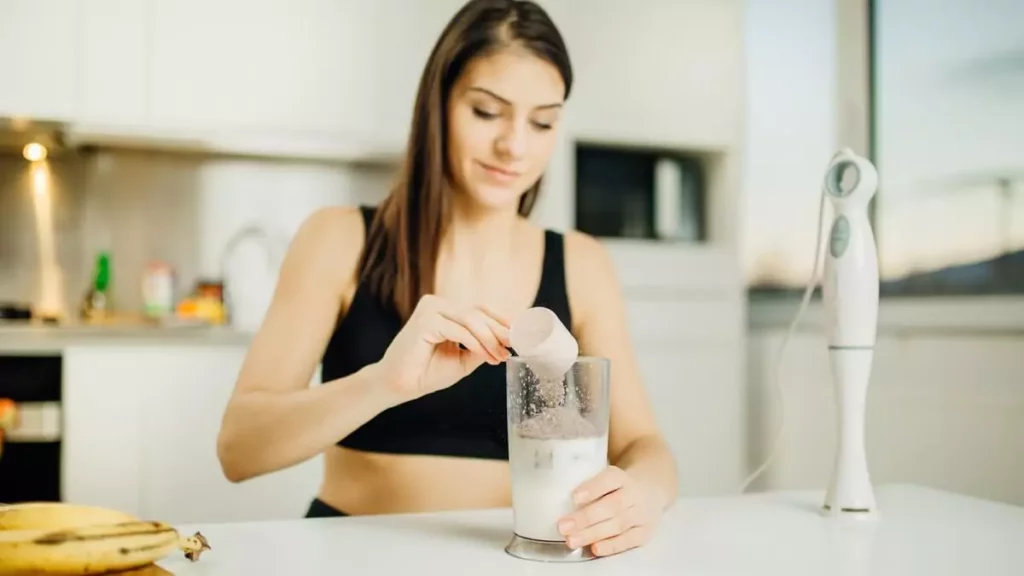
{"x":512,"y":142}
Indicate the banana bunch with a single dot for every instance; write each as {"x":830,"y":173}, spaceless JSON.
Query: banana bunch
{"x":55,"y":538}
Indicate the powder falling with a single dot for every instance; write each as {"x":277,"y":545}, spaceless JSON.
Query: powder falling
{"x":552,"y":391}
{"x":561,"y":423}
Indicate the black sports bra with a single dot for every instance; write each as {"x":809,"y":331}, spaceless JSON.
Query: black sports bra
{"x":467,"y":419}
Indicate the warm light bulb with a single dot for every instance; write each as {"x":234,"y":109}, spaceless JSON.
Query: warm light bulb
{"x":34,"y":152}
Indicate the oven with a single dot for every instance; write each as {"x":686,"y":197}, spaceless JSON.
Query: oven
{"x":30,"y":456}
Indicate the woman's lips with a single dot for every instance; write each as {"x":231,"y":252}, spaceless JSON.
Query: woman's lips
{"x":500,"y":174}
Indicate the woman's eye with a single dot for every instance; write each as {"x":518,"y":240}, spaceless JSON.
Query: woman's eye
{"x":481,"y":113}
{"x":541,"y":126}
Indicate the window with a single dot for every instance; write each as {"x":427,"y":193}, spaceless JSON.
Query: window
{"x":948,"y":141}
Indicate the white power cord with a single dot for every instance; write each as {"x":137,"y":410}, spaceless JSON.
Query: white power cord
{"x":776,"y":377}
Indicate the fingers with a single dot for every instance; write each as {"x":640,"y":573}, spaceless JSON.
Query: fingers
{"x":605,"y":506}
{"x":487,"y":330}
{"x":609,"y":480}
{"x":608,"y":528}
{"x":631,"y":538}
{"x":490,"y":333}
{"x":615,"y":514}
{"x":607,"y":510}
{"x":500,"y":332}
{"x":445,"y":329}
{"x":499,"y":325}
{"x":496,"y":316}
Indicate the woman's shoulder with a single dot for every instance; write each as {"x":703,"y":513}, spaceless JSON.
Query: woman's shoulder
{"x":330,"y":241}
{"x":590,"y":273}
{"x":334,"y":227}
{"x":583,"y":246}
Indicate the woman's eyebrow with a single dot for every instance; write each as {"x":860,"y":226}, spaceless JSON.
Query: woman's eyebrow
{"x":507,"y":101}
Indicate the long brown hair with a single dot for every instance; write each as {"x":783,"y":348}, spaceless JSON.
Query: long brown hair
{"x":402,"y":246}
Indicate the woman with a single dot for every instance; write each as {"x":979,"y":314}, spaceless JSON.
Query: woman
{"x":406,"y":307}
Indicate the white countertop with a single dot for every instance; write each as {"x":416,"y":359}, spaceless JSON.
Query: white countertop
{"x":36,"y":340}
{"x":918,"y":531}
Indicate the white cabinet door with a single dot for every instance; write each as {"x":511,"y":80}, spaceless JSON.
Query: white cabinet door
{"x":141,"y":433}
{"x":101,"y":443}
{"x":114,"y":86}
{"x":405,"y":32}
{"x":661,"y":72}
{"x":187,"y":391}
{"x":262,"y":65}
{"x":38,"y":67}
{"x":697,"y":390}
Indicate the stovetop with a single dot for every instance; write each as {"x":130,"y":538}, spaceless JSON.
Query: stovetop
{"x":15,"y":314}
{"x":10,"y":311}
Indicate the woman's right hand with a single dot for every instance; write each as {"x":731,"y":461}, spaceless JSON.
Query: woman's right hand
{"x":426,"y":355}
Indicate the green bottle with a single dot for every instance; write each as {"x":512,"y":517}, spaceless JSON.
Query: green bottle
{"x":101,"y":283}
{"x":97,"y":298}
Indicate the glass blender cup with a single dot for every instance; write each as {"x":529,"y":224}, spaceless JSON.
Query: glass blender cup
{"x":558,"y":438}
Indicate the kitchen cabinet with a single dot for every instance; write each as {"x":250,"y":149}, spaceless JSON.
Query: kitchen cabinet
{"x":229,"y":75}
{"x":114,"y":62}
{"x":37,"y":58}
{"x":698,"y":393}
{"x":338,"y":77}
{"x":140,"y":435}
{"x":262,"y":66}
{"x":655,"y":73}
{"x":686,"y":318}
{"x":404,"y":35}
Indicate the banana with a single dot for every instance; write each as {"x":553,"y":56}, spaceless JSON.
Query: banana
{"x":89,"y":541}
{"x":57,"y":516}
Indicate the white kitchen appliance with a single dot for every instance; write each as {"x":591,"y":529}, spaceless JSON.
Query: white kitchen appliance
{"x":249,"y":267}
{"x":851,"y":294}
{"x":850,"y":290}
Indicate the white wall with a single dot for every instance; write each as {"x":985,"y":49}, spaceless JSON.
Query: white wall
{"x":944,"y":410}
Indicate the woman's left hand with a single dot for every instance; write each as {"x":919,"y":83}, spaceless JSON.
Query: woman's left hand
{"x":616,"y":513}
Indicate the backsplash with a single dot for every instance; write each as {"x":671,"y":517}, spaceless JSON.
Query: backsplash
{"x":20,"y":258}
{"x":144,"y":206}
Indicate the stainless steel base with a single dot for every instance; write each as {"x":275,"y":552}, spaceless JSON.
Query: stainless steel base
{"x":546,"y":550}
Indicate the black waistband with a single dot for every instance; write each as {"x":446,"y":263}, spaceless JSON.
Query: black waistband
{"x":320,"y":509}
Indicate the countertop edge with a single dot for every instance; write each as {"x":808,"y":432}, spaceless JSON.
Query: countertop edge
{"x":34,"y":341}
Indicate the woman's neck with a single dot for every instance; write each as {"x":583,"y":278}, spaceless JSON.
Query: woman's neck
{"x":475,"y":235}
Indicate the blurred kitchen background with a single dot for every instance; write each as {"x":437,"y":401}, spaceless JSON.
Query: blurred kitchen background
{"x":157,"y":155}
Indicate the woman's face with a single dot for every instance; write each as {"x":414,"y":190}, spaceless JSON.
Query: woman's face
{"x":502,"y":120}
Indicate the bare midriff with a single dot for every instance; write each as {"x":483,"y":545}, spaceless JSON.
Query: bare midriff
{"x":361,"y":483}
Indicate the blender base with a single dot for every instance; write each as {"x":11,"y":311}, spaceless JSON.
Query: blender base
{"x":546,"y":550}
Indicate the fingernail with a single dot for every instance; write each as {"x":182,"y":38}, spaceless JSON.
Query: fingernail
{"x":566,"y":526}
{"x":573,"y":543}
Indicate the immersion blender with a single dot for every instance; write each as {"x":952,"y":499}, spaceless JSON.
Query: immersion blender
{"x":851,"y":292}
